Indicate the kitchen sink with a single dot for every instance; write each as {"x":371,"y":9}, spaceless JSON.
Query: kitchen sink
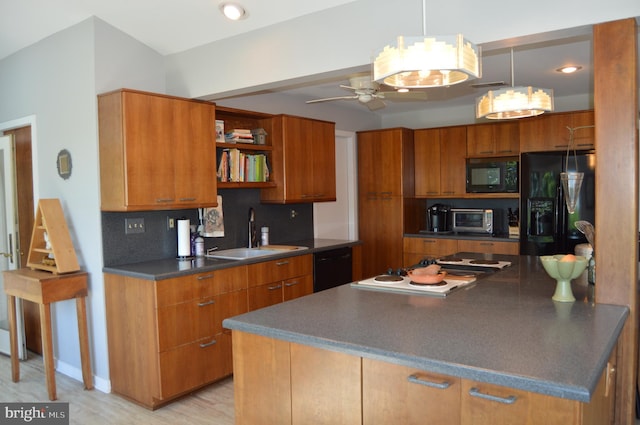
{"x":246,"y":253}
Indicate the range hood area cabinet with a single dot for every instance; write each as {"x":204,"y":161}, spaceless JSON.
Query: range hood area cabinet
{"x":157,"y":152}
{"x":303,"y":163}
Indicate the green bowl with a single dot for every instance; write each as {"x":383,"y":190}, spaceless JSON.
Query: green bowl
{"x":563,"y":272}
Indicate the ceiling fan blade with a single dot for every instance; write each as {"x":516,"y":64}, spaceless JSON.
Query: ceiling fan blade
{"x":375,"y":104}
{"x":327,"y":99}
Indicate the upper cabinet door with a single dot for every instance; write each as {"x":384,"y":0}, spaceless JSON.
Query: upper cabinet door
{"x":156,"y":152}
{"x":303,"y":166}
{"x":495,"y":139}
{"x":550,"y":132}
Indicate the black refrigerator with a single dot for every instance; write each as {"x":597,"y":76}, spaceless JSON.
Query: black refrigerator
{"x":546,"y":227}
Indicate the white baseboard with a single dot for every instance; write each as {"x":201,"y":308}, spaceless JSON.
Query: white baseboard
{"x":100,"y":384}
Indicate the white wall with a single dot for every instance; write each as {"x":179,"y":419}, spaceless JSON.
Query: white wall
{"x":344,"y":37}
{"x":55,"y":83}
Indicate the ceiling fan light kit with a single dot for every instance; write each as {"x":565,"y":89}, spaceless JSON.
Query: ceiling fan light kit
{"x":514,"y":102}
{"x":427,"y":61}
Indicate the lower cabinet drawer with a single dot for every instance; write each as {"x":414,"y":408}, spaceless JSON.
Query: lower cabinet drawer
{"x":190,"y":366}
{"x":489,"y":247}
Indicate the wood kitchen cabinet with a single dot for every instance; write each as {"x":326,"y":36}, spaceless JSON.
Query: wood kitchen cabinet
{"x":304,"y":162}
{"x":489,"y":247}
{"x":166,"y":337}
{"x":415,"y":249}
{"x":395,"y":394}
{"x":283,"y":382}
{"x":440,"y":162}
{"x":156,"y":152}
{"x":386,"y":206}
{"x":275,"y":281}
{"x":495,"y":139}
{"x":548,"y":132}
{"x":277,"y":382}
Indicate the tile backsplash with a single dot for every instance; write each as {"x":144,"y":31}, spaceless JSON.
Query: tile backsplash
{"x":287,"y":223}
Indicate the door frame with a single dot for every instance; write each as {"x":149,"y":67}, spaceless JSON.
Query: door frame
{"x":28,"y":121}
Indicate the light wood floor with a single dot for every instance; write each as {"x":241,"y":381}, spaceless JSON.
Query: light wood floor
{"x":212,"y":405}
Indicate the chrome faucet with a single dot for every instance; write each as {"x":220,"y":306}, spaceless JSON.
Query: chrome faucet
{"x":253,"y":241}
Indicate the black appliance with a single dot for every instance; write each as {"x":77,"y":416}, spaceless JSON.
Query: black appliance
{"x":438,"y":218}
{"x":332,"y":268}
{"x":546,"y":227}
{"x":492,"y":175}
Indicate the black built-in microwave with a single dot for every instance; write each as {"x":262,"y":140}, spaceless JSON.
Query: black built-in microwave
{"x":491,"y":175}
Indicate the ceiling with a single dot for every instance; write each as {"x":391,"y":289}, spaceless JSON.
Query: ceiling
{"x":168,"y":27}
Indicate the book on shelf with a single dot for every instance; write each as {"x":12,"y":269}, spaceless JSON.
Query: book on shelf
{"x":239,"y":135}
{"x":235,"y":165}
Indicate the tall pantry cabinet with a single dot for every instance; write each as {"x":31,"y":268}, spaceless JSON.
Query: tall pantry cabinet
{"x":386,"y":204}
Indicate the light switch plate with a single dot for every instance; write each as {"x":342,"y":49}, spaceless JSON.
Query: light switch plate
{"x":133,"y":225}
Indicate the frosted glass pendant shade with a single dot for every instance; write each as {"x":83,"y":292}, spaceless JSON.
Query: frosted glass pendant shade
{"x":571,"y":184}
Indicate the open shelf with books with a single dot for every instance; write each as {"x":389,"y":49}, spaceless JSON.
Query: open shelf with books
{"x":243,"y":159}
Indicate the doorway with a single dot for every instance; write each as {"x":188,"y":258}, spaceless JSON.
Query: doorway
{"x":9,"y":258}
{"x":21,"y":132}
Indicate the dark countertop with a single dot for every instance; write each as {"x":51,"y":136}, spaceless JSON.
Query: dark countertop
{"x":504,"y":330}
{"x":172,"y":267}
{"x":467,"y":236}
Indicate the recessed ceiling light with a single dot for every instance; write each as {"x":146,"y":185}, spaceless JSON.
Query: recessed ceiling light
{"x":403,"y":90}
{"x":569,"y":69}
{"x":233,"y":11}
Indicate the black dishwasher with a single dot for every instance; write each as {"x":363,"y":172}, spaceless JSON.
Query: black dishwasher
{"x":331,"y":268}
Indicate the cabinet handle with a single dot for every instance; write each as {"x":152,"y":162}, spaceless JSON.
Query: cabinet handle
{"x":448,"y":192}
{"x":486,"y":243}
{"x":282,"y":263}
{"x":208,"y":344}
{"x":206,"y":303}
{"x":505,"y":151}
{"x":187,"y":199}
{"x":205,"y":276}
{"x":415,"y":379}
{"x":274,"y":287}
{"x":488,"y":152}
{"x":163,"y":200}
{"x":429,"y":241}
{"x":294,"y":283}
{"x":585,"y":144}
{"x":475,"y":392}
{"x":561,"y":146}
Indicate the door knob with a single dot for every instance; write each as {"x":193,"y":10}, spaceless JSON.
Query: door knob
{"x":7,"y":255}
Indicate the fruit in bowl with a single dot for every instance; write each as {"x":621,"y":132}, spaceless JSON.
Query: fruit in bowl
{"x":430,"y":275}
{"x":564,"y":268}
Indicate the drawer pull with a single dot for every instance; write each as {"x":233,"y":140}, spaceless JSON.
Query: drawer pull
{"x":164,"y":200}
{"x":486,"y":243}
{"x":282,"y":263}
{"x":429,"y":241}
{"x":205,"y":276}
{"x":274,"y":287}
{"x":208,"y":344}
{"x":206,"y":303}
{"x":294,"y":283}
{"x":474,"y":392}
{"x":187,"y":199}
{"x":415,"y":379}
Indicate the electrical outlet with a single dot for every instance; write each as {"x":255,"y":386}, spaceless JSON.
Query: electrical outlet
{"x":170,"y":223}
{"x":133,"y":225}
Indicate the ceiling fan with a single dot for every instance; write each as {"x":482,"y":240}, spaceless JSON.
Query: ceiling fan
{"x":368,"y":93}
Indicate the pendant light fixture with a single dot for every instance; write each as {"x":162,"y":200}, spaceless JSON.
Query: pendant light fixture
{"x":427,"y":61}
{"x":514,"y":102}
{"x":572,"y":180}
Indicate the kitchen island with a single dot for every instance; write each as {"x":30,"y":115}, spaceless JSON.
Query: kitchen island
{"x":502,"y":339}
